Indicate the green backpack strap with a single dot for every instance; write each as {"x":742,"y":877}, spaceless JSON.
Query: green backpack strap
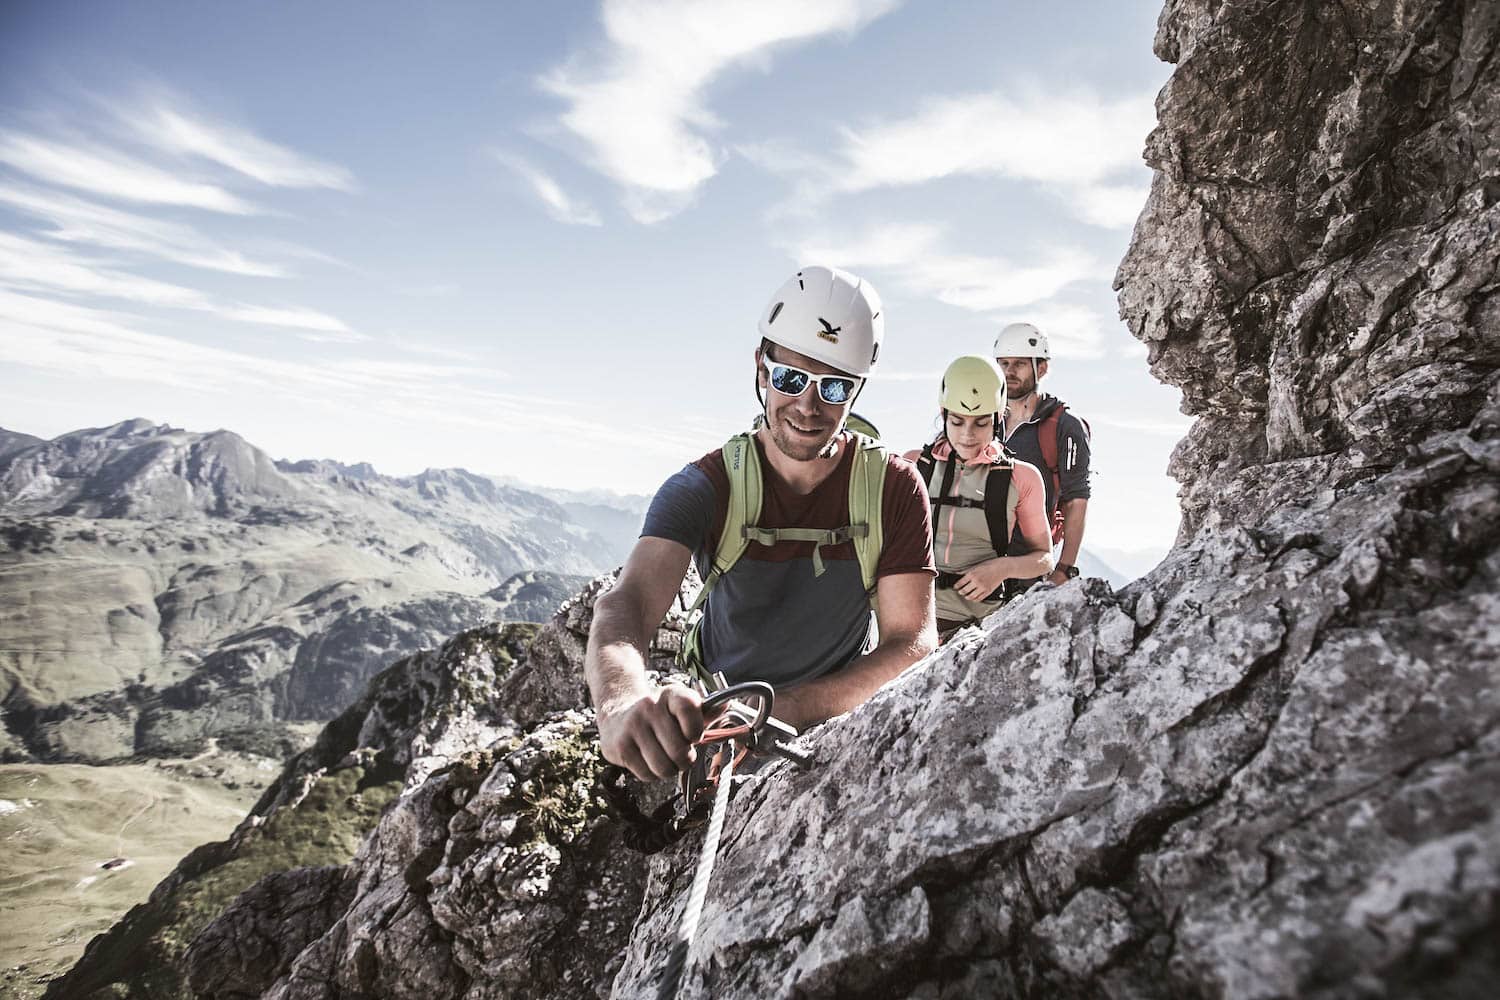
{"x":742,"y":466}
{"x":866,"y":490}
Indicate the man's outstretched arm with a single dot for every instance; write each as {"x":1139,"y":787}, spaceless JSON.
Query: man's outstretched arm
{"x":643,"y":727}
{"x":908,"y":632}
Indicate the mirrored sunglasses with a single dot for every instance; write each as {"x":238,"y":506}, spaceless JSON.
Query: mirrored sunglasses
{"x":791,"y":381}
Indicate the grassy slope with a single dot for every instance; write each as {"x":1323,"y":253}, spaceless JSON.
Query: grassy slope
{"x":145,"y":955}
{"x":142,"y":953}
{"x":54,"y":896}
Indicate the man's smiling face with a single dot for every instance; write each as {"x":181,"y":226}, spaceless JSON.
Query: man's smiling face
{"x":802,"y":427}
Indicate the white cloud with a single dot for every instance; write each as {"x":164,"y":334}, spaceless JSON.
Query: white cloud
{"x":112,"y":175}
{"x":77,"y":221}
{"x":1074,"y":332}
{"x":1072,"y":139}
{"x":28,"y":264}
{"x":79,"y":341}
{"x":1141,"y":425}
{"x":1080,"y":146}
{"x":1110,"y":206}
{"x":33,"y":266}
{"x":915,"y":256}
{"x":235,"y":148}
{"x":559,"y":204}
{"x":638,"y":106}
{"x":326,"y":327}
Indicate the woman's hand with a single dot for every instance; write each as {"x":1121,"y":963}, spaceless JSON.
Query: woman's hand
{"x":980,"y":580}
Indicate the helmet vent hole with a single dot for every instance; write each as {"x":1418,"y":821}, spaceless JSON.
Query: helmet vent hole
{"x":800,"y":284}
{"x":775,"y":311}
{"x":875,"y":317}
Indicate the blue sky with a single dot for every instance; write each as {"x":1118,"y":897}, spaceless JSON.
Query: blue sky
{"x":534,"y":239}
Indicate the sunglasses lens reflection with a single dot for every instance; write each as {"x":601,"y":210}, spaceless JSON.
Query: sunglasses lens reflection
{"x":788,"y":380}
{"x":836,"y":390}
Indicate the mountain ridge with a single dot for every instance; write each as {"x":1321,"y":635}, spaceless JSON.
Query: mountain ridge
{"x":158,"y":576}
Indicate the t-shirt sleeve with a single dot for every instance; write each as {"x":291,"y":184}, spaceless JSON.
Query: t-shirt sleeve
{"x":1031,"y":502}
{"x":683,"y":509}
{"x":1072,"y":459}
{"x":906,"y":522}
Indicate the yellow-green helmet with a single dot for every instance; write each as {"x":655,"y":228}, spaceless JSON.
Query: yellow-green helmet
{"x":973,"y":385}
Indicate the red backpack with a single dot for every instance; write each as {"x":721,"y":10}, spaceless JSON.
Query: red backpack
{"x":1049,"y":438}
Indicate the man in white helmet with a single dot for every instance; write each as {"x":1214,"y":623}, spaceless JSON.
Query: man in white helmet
{"x":794,"y":613}
{"x":1039,"y":428}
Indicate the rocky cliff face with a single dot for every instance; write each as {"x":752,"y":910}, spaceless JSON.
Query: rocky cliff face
{"x":495,"y":861}
{"x":162,"y":587}
{"x":1270,"y":768}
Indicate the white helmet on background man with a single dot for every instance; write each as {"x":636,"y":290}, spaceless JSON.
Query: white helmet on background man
{"x":1022,"y":340}
{"x":829,"y":315}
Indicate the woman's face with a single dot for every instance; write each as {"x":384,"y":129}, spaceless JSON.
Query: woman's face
{"x":969,"y":435}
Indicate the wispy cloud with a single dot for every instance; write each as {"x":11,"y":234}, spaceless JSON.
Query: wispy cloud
{"x":77,"y":221}
{"x":1075,"y":332}
{"x":638,"y":105}
{"x":86,"y":167}
{"x":78,"y":340}
{"x":559,"y":204}
{"x":1082,"y":147}
{"x":323,"y":327}
{"x":30,"y":265}
{"x":917,"y":258}
{"x":236,"y":148}
{"x":157,"y":157}
{"x":1141,"y":425}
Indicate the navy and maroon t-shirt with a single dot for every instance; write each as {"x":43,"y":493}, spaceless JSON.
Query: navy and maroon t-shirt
{"x":769,"y":618}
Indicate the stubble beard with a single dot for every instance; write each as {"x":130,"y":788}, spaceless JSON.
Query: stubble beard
{"x":799,"y":449}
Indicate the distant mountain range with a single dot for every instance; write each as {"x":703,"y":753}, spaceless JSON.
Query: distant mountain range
{"x":159,"y":586}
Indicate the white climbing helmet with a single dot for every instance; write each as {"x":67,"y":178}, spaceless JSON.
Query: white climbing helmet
{"x":829,"y":315}
{"x":1022,"y":340}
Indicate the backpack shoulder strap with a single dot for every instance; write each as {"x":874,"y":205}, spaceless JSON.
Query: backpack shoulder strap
{"x":926,"y":463}
{"x":742,"y":466}
{"x":866,"y":493}
{"x":997,"y":506}
{"x":1047,"y":434}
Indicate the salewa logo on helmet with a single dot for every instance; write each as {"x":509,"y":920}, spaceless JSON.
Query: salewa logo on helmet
{"x":829,"y":332}
{"x":970,"y":407}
